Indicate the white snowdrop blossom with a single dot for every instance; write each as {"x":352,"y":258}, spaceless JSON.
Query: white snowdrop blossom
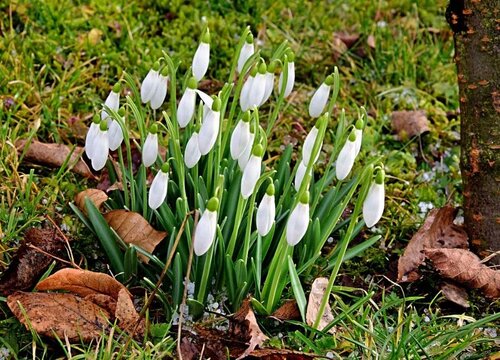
{"x":245,"y":91}
{"x":252,"y":172}
{"x":187,"y":104}
{"x":346,"y":158}
{"x":290,"y":81}
{"x":245,"y":155}
{"x":115,"y":135}
{"x":358,"y":132}
{"x":112,"y":102}
{"x":89,"y":139}
{"x":266,"y":212}
{"x":150,"y":148}
{"x":240,"y":138}
{"x":159,"y":187}
{"x":209,"y":128}
{"x":299,"y":175}
{"x":319,"y":100}
{"x":373,"y":206}
{"x":207,"y":102}
{"x":298,"y":221}
{"x":192,"y":153}
{"x":258,"y":87}
{"x":201,"y":57}
{"x":100,"y":146}
{"x":160,"y":92}
{"x":204,"y":234}
{"x":269,"y":81}
{"x":308,"y":146}
{"x":149,"y":83}
{"x":246,"y":52}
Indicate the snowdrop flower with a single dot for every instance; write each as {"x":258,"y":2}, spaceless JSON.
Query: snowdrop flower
{"x":266,"y":212}
{"x":246,"y":52}
{"x":299,"y":175}
{"x":209,"y":128}
{"x":204,"y":234}
{"x":112,"y":102}
{"x":308,"y":147}
{"x":115,"y":133}
{"x":245,"y":155}
{"x":358,"y":131}
{"x":187,"y":104}
{"x":150,"y":148}
{"x":269,"y":80}
{"x":241,"y":136}
{"x":207,"y":102}
{"x":159,"y":187}
{"x":91,"y":134}
{"x":192,"y":153}
{"x":298,"y":221}
{"x":291,"y":75}
{"x":201,"y":57}
{"x":346,"y":158}
{"x":100,"y":147}
{"x":373,"y":206}
{"x":252,"y":171}
{"x":258,"y":87}
{"x":158,"y":96}
{"x":149,"y":83}
{"x":245,"y":90}
{"x":320,"y":98}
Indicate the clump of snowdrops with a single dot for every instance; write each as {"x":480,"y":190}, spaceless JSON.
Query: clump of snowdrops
{"x":262,"y":222}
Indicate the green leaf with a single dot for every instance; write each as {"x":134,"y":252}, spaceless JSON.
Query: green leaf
{"x":298,"y":291}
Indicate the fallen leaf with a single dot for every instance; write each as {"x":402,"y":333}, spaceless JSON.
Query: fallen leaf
{"x":317,"y":292}
{"x":438,"y":231}
{"x":370,"y":41}
{"x":63,"y":315}
{"x":107,"y":302}
{"x":455,"y":294}
{"x":134,"y":229}
{"x":82,"y":282}
{"x":244,"y":326}
{"x":288,"y":311}
{"x":348,"y":39}
{"x":126,"y":314}
{"x":98,"y":197}
{"x":464,"y":267}
{"x":54,"y":155}
{"x":94,"y":36}
{"x":29,"y":263}
{"x":281,"y":354}
{"x":409,"y":123}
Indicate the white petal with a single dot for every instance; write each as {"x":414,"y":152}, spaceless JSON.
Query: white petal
{"x":290,"y":79}
{"x":299,"y":175}
{"x":297,"y":224}
{"x":373,"y":206}
{"x":186,"y":107}
{"x":319,"y":100}
{"x":150,"y":150}
{"x":101,"y":149}
{"x":245,"y":155}
{"x":149,"y":85}
{"x":245,"y":94}
{"x":208,"y":132}
{"x":204,"y":234}
{"x":192,"y":153}
{"x":160,"y":92}
{"x":90,"y":138}
{"x":246,"y":52}
{"x":309,"y":145}
{"x":269,"y":87}
{"x":158,"y":190}
{"x":265,"y":215}
{"x":207,"y":99}
{"x":345,"y":161}
{"x":115,"y":135}
{"x":359,"y":140}
{"x":112,"y":102}
{"x":250,"y":176}
{"x":256,"y":93}
{"x":200,"y":61}
{"x":239,"y":139}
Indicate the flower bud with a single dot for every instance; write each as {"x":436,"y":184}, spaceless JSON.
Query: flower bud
{"x":186,"y":108}
{"x":373,"y":206}
{"x":266,"y":212}
{"x":202,"y":57}
{"x":100,"y":147}
{"x":240,"y":138}
{"x":298,"y":221}
{"x":149,"y":83}
{"x":150,"y":149}
{"x":346,"y":158}
{"x":160,"y":92}
{"x":319,"y":100}
{"x":112,"y":102}
{"x":252,"y":172}
{"x":192,"y":153}
{"x":159,"y":187}
{"x":246,"y":52}
{"x":204,"y":234}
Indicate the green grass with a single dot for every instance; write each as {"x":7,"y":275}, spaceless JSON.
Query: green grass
{"x":58,"y":61}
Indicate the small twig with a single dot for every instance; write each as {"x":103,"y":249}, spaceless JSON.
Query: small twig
{"x":53,"y":256}
{"x":184,"y":295}
{"x":490,"y":256}
{"x":70,"y":252}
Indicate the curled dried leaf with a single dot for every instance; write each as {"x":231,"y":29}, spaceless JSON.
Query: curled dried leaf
{"x":318,"y":289}
{"x":127,"y":316}
{"x":98,"y":197}
{"x":288,"y":311}
{"x":409,"y":123}
{"x":455,"y":294}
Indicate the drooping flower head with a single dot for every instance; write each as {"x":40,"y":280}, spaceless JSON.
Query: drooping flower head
{"x":346,"y":158}
{"x":310,"y":140}
{"x":246,"y":52}
{"x":358,"y":131}
{"x":320,"y":97}
{"x":159,"y":187}
{"x":115,"y":132}
{"x":298,"y":221}
{"x":112,"y":102}
{"x":246,"y":90}
{"x":202,"y":57}
{"x":91,"y":134}
{"x":240,"y":137}
{"x":150,"y":82}
{"x":192,"y":152}
{"x":290,"y":81}
{"x":204,"y":234}
{"x":210,"y":128}
{"x":160,"y":92}
{"x":266,"y":212}
{"x":252,"y":171}
{"x":187,"y":104}
{"x":373,"y":206}
{"x":150,"y":148}
{"x":100,"y":146}
{"x":258,"y":86}
{"x":271,"y":69}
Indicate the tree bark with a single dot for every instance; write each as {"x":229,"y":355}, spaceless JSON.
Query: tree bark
{"x":476,"y":28}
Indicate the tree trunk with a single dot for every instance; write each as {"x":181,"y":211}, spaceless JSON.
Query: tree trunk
{"x":476,"y":28}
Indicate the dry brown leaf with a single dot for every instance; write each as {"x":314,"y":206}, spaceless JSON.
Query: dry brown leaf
{"x":370,"y":41}
{"x":134,"y":229}
{"x":464,"y":267}
{"x":348,"y":39}
{"x":102,"y":300}
{"x":288,"y":311}
{"x":29,"y":263}
{"x":317,"y":292}
{"x":455,"y":294}
{"x":126,"y":314}
{"x":54,"y":155}
{"x":281,"y":354}
{"x":244,"y":326}
{"x":64,"y":315}
{"x":82,"y":282}
{"x":438,"y":231}
{"x":98,"y":197}
{"x":409,"y":123}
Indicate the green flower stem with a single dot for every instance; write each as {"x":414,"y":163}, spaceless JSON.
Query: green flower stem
{"x":124,"y":179}
{"x":234,"y":64}
{"x":202,"y":289}
{"x":237,"y":222}
{"x":281,"y":98}
{"x":144,"y":192}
